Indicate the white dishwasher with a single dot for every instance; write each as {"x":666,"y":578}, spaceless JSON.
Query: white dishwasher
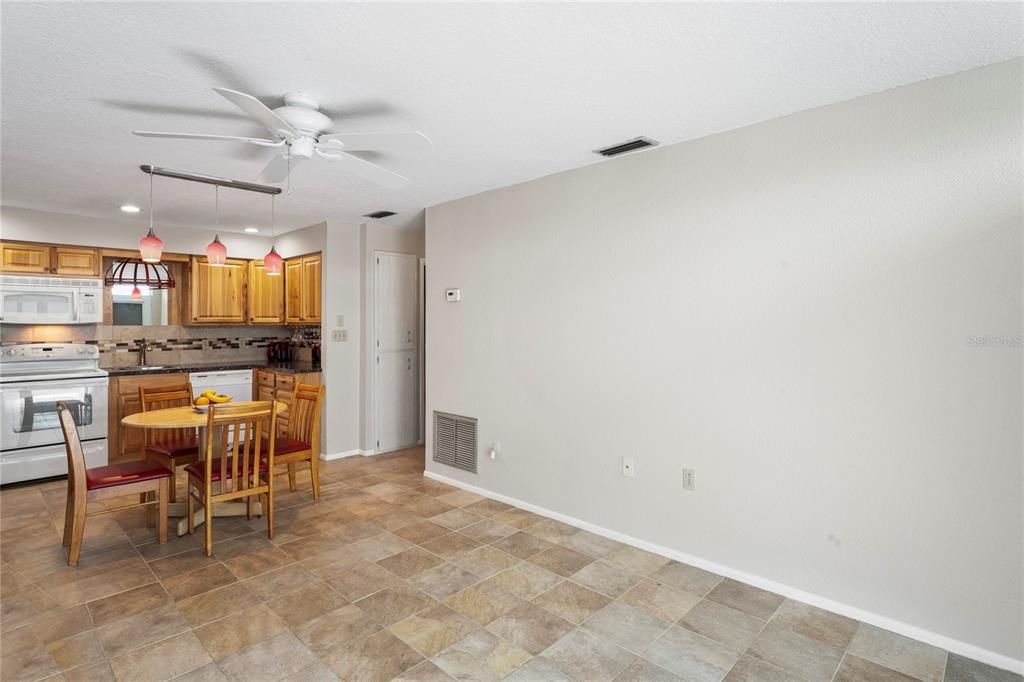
{"x":236,"y":383}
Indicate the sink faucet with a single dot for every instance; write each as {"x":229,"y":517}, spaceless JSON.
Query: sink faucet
{"x":143,"y":347}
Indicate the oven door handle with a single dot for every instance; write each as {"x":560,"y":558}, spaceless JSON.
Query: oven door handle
{"x":59,"y":383}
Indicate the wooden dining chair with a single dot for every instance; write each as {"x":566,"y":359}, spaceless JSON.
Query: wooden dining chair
{"x":97,"y":483}
{"x":302,"y":444}
{"x":238,"y":459}
{"x":170,"y":447}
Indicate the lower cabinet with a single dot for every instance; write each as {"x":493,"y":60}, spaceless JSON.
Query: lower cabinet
{"x":124,"y":443}
{"x":269,"y":384}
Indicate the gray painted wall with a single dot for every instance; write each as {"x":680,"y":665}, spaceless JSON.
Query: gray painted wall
{"x":786,"y":308}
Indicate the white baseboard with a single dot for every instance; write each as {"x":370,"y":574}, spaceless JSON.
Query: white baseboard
{"x":327,"y":457}
{"x":935,"y":639}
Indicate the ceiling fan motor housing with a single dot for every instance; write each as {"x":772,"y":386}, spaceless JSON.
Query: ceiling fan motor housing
{"x":302,"y":112}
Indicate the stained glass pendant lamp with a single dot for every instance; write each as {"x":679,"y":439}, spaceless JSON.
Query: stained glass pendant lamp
{"x":273,"y":264}
{"x":151,"y":248}
{"x":216,"y":253}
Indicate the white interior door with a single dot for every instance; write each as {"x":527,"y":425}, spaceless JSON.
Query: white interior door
{"x":397,"y":366}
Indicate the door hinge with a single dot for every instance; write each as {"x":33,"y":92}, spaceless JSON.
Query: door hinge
{"x":378,"y":359}
{"x":378,"y":444}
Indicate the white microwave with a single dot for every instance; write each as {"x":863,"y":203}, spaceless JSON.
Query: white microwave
{"x":50,"y":300}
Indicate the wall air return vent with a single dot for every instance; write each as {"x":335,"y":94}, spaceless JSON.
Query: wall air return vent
{"x":455,"y":441}
{"x":377,"y":215}
{"x":626,"y":147}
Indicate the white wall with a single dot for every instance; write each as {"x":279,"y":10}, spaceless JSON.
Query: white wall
{"x":787,"y":309}
{"x":302,"y":241}
{"x":25,"y":224}
{"x":408,"y":237}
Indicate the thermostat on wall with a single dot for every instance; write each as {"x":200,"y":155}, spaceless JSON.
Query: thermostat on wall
{"x":453,"y":295}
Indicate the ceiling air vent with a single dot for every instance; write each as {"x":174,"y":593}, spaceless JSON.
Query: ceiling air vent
{"x":377,"y":215}
{"x":455,"y":441}
{"x":626,"y":147}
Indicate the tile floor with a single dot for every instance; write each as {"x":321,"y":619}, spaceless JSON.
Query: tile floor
{"x":392,"y":575}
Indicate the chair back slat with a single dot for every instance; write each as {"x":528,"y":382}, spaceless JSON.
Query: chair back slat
{"x":73,"y":446}
{"x":161,"y":398}
{"x":240,"y":426}
{"x":304,"y":414}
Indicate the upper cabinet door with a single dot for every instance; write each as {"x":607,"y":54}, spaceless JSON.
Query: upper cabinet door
{"x":30,"y":258}
{"x":311,"y":271}
{"x":293,"y":290}
{"x":217,"y":293}
{"x":266,"y":295}
{"x":74,"y":261}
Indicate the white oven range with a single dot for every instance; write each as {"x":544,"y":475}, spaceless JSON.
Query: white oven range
{"x":33,"y":377}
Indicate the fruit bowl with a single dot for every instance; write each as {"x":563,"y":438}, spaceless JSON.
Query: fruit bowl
{"x":210,"y":397}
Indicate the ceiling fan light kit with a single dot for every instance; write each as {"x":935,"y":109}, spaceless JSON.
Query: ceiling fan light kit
{"x":302,"y":129}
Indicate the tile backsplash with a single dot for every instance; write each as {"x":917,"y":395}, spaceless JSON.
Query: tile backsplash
{"x":168,"y":345}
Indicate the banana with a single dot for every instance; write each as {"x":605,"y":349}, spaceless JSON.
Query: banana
{"x":216,"y":398}
{"x":208,"y":393}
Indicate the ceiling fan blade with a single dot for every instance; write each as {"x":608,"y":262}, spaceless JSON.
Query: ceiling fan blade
{"x":277,"y":170}
{"x":405,"y":143}
{"x":259,"y":111}
{"x":199,"y":136}
{"x":366,"y":170}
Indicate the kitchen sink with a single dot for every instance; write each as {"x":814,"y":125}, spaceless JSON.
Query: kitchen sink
{"x":151,"y":368}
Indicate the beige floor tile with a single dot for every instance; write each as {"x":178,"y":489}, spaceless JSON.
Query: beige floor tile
{"x":356,"y":531}
{"x":258,"y":562}
{"x":421,"y":531}
{"x":481,"y":656}
{"x":487,"y":531}
{"x":806,"y":658}
{"x":539,"y":669}
{"x":905,"y":655}
{"x":487,"y":508}
{"x":163,"y":660}
{"x":97,"y":672}
{"x":362,"y":579}
{"x":410,"y":562}
{"x":636,"y":560}
{"x":127,"y":603}
{"x":485,"y":561}
{"x":809,"y":621}
{"x":424,"y":672}
{"x":433,"y":630}
{"x":208,"y":673}
{"x":561,"y":560}
{"x":215,"y":604}
{"x":335,"y":629}
{"x":394,"y":603}
{"x":606,"y":578}
{"x":182,"y":563}
{"x":203,"y":580}
{"x":525,"y":580}
{"x":642,"y":670}
{"x":584,"y":656}
{"x":239,"y":630}
{"x":746,"y":598}
{"x":856,"y":669}
{"x":460,"y":498}
{"x":306,"y":604}
{"x":960,"y":669}
{"x":591,"y":544}
{"x":660,"y":600}
{"x":429,"y":507}
{"x":687,"y":578}
{"x":455,"y":519}
{"x":750,"y":669}
{"x":443,"y":581}
{"x":572,"y":602}
{"x":483,"y":603}
{"x":380,"y":656}
{"x":273,"y":584}
{"x":451,"y":546}
{"x":60,"y":623}
{"x":530,"y":628}
{"x":517,"y":518}
{"x":272,"y":659}
{"x":695,"y":658}
{"x":77,"y":650}
{"x":522,"y":545}
{"x":727,"y":626}
{"x":379,"y":546}
{"x":124,"y":635}
{"x":29,"y":664}
{"x":627,"y":626}
{"x":552,"y":530}
{"x":317,"y":672}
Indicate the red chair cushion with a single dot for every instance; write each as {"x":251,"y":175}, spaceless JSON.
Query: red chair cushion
{"x":198,"y":469}
{"x":122,"y":474}
{"x":285,"y":445}
{"x":176,"y":448}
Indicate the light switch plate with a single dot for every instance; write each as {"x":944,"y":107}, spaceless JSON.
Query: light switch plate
{"x":339,"y":335}
{"x":341,"y":321}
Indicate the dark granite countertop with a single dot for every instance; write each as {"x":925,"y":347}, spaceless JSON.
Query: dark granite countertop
{"x":284,"y":368}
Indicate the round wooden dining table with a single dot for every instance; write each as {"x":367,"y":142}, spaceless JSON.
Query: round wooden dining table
{"x":192,"y":418}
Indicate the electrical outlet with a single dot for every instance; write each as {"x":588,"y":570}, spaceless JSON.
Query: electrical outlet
{"x":689,"y":479}
{"x":627,"y":467}
{"x":339,"y":335}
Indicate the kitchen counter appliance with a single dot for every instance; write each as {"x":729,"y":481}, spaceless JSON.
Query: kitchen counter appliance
{"x":33,"y":377}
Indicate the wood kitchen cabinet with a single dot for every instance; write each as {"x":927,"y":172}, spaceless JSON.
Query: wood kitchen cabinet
{"x":43,"y":259}
{"x":303,"y":289}
{"x":124,"y":443}
{"x":217,"y":294}
{"x":265,"y":295}
{"x":272,"y":385}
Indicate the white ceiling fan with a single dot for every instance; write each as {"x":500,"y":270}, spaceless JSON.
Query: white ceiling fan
{"x":302,"y":131}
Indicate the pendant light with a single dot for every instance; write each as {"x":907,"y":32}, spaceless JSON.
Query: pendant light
{"x":216,"y":253}
{"x":273,"y":264}
{"x":136,"y":294}
{"x":151,"y":248}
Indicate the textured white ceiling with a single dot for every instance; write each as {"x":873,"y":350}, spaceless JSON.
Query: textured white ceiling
{"x":507,"y":92}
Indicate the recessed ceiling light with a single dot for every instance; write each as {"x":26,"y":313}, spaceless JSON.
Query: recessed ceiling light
{"x":129,"y":208}
{"x":251,"y":230}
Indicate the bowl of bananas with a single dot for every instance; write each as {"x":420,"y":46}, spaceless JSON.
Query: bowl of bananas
{"x":209,"y":397}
